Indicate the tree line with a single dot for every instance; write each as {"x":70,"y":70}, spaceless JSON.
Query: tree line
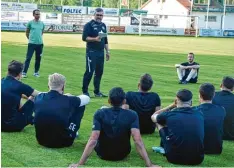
{"x":133,"y":4}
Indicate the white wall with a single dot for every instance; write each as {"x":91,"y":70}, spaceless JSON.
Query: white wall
{"x":229,"y":21}
{"x":175,"y":22}
{"x":228,"y":24}
{"x":153,"y":7}
{"x":173,"y":7}
{"x":169,"y":7}
{"x":213,"y":25}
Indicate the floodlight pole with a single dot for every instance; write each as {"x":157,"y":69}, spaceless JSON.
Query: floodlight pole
{"x":224,"y":15}
{"x":140,"y":24}
{"x":207,"y":14}
{"x":197,"y":25}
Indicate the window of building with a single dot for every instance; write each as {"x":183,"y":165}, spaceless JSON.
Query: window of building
{"x":201,"y":2}
{"x":158,"y":1}
{"x":165,"y":16}
{"x":230,"y":2}
{"x":163,"y":1}
{"x":211,"y":18}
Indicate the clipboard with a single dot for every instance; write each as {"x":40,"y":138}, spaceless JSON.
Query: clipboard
{"x":102,"y":34}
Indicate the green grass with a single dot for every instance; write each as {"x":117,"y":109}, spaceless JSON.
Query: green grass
{"x":131,"y":56}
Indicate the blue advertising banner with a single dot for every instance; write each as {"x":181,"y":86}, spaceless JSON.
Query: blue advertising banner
{"x":21,"y":26}
{"x":228,"y":33}
{"x":78,"y":10}
{"x":14,"y":26}
{"x":211,"y":32}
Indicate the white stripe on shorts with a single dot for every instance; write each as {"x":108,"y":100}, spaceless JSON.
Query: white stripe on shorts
{"x":89,"y":64}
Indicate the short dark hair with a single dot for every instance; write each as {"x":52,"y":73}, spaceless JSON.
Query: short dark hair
{"x":146,"y":82}
{"x":191,"y":54}
{"x":207,"y":91}
{"x":117,"y":96}
{"x":34,"y":11}
{"x":184,"y":95}
{"x":15,"y":68}
{"x":98,"y":10}
{"x":228,"y":82}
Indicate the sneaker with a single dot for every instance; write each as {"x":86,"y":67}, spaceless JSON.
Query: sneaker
{"x":158,"y":150}
{"x":180,"y":82}
{"x":24,"y":75}
{"x":87,"y":94}
{"x":36,"y":74}
{"x":185,"y":82}
{"x":100,"y":95}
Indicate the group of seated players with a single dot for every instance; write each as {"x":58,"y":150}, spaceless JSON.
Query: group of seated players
{"x":187,"y":132}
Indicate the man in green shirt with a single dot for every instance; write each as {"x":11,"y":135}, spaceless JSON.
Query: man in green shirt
{"x":34,"y":34}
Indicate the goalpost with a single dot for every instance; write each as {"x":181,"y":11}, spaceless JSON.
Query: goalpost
{"x":167,"y":24}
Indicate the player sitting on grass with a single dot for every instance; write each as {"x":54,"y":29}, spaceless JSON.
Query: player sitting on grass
{"x":225,"y":98}
{"x":214,"y":117}
{"x":15,"y":117}
{"x":145,"y":103}
{"x":112,"y":128}
{"x":181,"y":128}
{"x":58,"y":116}
{"x":188,"y":71}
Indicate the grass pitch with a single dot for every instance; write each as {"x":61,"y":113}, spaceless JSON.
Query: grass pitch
{"x":131,"y":56}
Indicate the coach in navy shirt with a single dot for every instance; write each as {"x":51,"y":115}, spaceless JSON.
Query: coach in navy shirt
{"x":95,"y":45}
{"x":58,"y":116}
{"x":112,"y":128}
{"x":181,"y":128}
{"x":15,"y":117}
{"x":214,"y":117}
{"x":225,"y":98}
{"x":145,"y":103}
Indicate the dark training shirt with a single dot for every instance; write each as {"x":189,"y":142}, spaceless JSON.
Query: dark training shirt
{"x":91,"y":29}
{"x":144,"y":104}
{"x":11,"y":94}
{"x":214,"y":117}
{"x":186,"y":127}
{"x":187,"y":71}
{"x":52,"y":116}
{"x":115,"y":126}
{"x":226,"y":100}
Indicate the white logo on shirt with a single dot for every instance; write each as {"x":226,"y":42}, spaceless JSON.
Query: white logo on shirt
{"x":72,"y":126}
